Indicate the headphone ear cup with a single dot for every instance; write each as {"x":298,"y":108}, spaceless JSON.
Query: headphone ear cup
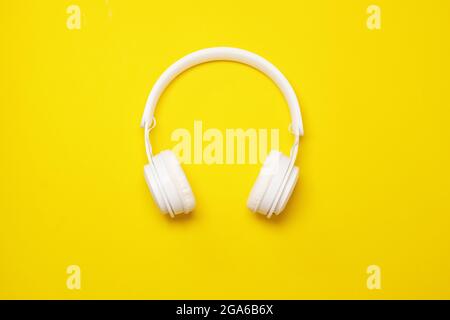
{"x":288,"y":188}
{"x":262,"y":183}
{"x":155,"y":188}
{"x":270,"y":182}
{"x":170,"y":183}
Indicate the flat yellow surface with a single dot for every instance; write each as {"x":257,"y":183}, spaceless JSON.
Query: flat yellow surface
{"x":374,"y":187}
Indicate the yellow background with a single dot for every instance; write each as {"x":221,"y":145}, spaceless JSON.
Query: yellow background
{"x":374,"y":183}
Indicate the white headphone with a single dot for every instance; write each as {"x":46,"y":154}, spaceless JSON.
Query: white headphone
{"x":164,"y":175}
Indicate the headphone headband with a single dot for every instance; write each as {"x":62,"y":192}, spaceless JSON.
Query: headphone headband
{"x":226,"y":54}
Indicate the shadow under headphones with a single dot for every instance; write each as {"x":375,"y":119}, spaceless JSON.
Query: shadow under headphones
{"x":165,"y":177}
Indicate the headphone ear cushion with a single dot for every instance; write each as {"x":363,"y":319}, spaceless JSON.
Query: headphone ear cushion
{"x":269,"y":183}
{"x":288,"y":188}
{"x":262,"y":182}
{"x":155,"y":188}
{"x":180,"y":180}
{"x":172,"y":183}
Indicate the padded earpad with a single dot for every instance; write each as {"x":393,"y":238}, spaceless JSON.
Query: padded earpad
{"x":155,"y":188}
{"x":169,"y":185}
{"x":270,"y":182}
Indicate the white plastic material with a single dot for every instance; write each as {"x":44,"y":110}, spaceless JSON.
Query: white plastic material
{"x":226,"y":54}
{"x":164,"y":175}
{"x":169,"y":185}
{"x":270,"y":182}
